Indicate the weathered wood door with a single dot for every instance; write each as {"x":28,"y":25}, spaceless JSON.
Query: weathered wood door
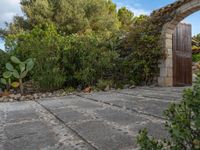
{"x":182,"y":55}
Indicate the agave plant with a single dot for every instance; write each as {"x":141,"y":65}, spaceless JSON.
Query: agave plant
{"x":19,"y":69}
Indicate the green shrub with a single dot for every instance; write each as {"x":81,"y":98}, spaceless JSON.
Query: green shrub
{"x":103,"y":84}
{"x":4,"y":57}
{"x":183,"y":124}
{"x":51,"y":78}
{"x":143,"y":51}
{"x":87,"y":58}
{"x":64,"y":60}
{"x":70,"y":89}
{"x":196,"y":57}
{"x":44,"y":44}
{"x":83,"y":58}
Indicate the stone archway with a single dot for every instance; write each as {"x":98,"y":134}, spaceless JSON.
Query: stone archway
{"x":171,"y":16}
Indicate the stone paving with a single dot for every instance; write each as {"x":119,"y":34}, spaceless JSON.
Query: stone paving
{"x":96,"y":121}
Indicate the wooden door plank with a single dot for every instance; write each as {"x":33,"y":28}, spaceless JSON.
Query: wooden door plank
{"x":182,"y":55}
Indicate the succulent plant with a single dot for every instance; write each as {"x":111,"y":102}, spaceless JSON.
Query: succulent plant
{"x":19,"y":70}
{"x":6,"y":80}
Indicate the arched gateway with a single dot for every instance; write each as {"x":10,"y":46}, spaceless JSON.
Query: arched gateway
{"x":172,"y":15}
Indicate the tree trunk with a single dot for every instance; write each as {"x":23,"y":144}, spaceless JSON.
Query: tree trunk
{"x":21,"y":86}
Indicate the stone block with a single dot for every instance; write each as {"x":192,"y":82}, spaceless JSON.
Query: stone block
{"x":169,"y":62}
{"x":168,"y":81}
{"x":169,"y":72}
{"x":168,"y":43}
{"x":163,"y":72}
{"x":161,"y":81}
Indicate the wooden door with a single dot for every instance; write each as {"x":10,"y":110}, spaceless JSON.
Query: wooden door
{"x":182,"y":55}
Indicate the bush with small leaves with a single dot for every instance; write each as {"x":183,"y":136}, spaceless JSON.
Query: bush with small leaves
{"x":183,"y":124}
{"x":103,"y":84}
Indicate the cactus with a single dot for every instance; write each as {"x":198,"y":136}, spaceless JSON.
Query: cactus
{"x":6,"y":79}
{"x":19,"y":70}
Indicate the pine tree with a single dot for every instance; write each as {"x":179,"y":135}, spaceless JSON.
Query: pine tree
{"x":77,"y":16}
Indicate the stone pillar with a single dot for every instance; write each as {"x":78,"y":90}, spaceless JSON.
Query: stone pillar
{"x":166,"y":66}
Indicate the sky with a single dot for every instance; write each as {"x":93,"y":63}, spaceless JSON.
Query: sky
{"x":10,"y":8}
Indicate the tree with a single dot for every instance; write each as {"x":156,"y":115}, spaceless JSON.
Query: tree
{"x":125,"y":16}
{"x":197,"y":37}
{"x":69,"y":16}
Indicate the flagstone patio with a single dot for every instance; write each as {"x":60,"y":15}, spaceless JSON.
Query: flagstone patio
{"x":96,"y":121}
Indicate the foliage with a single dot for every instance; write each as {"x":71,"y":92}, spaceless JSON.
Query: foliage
{"x":5,"y":76}
{"x":6,"y":80}
{"x":4,"y":57}
{"x":143,"y":51}
{"x":44,"y":45}
{"x":51,"y":78}
{"x":125,"y":17}
{"x":68,"y":16}
{"x":147,"y":143}
{"x":78,"y":43}
{"x":72,"y":60}
{"x":183,"y":124}
{"x":87,"y":58}
{"x":197,"y":37}
{"x":196,"y":57}
{"x":196,"y":47}
{"x":103,"y":84}
{"x":18,"y":70}
{"x":69,"y":90}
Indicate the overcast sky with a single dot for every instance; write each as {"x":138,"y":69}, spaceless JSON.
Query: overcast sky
{"x":10,"y":8}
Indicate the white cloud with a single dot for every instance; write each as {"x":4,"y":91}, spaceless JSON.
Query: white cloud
{"x":134,"y":9}
{"x":8,"y":9}
{"x":138,"y":12}
{"x":13,"y":2}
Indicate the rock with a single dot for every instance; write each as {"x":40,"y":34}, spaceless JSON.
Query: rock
{"x":11,"y":100}
{"x":50,"y":94}
{"x":132,"y":87}
{"x":194,"y":77}
{"x":35,"y":96}
{"x":87,"y":90}
{"x":4,"y":99}
{"x":126,"y":86}
{"x":29,"y":97}
{"x":63,"y":94}
{"x":22,"y":98}
{"x":43,"y":95}
{"x":79,"y":88}
{"x":198,"y":66}
{"x":15,"y":96}
{"x":107,"y":88}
